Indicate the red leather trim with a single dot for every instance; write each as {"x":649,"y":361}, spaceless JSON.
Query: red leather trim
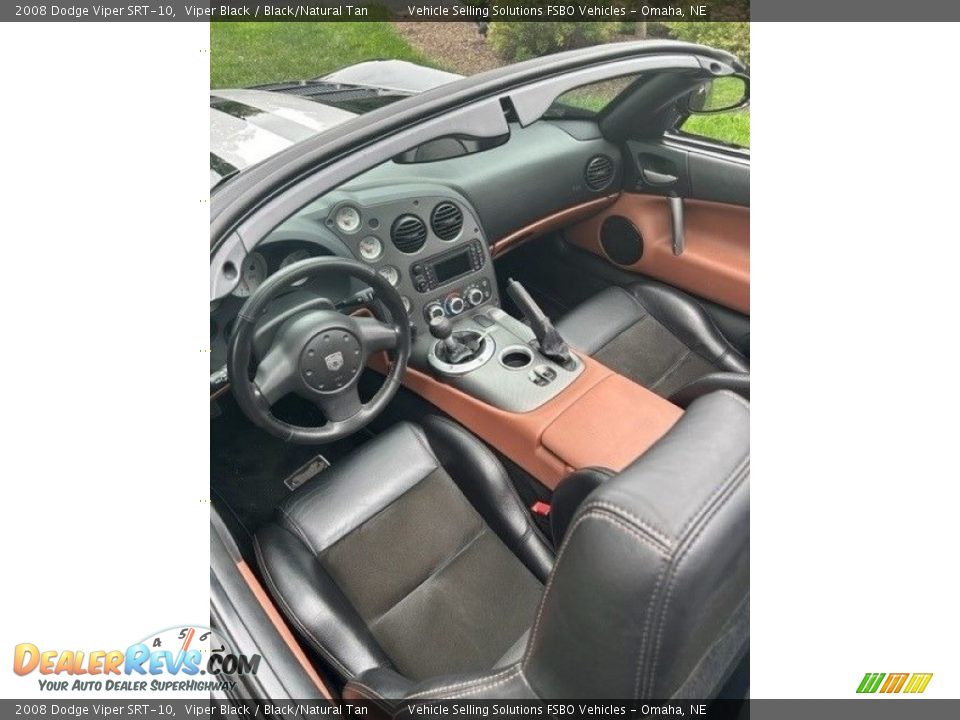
{"x":557,"y":220}
{"x":716,"y":261}
{"x":270,"y":609}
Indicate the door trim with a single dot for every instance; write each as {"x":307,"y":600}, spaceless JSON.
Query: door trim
{"x":715,"y":263}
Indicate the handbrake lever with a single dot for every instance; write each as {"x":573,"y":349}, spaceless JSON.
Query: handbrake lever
{"x":551,"y":343}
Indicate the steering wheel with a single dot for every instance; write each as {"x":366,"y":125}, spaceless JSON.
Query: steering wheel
{"x":317,"y":354}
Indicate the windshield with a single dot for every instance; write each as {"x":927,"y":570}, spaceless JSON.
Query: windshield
{"x":586,"y":101}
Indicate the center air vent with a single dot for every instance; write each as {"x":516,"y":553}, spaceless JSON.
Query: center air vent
{"x":446,"y":220}
{"x":599,"y":172}
{"x":408,"y":233}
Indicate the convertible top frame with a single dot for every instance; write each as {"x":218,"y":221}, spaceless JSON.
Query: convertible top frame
{"x":247,"y":208}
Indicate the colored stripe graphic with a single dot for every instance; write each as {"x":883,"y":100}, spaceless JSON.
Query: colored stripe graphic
{"x":918,"y":682}
{"x":894,"y":682}
{"x":870,"y":682}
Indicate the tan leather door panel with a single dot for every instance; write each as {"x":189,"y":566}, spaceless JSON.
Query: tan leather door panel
{"x":715,"y":263}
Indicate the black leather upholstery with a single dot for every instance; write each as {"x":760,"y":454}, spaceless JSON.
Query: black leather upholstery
{"x":570,"y":494}
{"x":485,"y":483}
{"x":413,"y":554}
{"x":660,"y":338}
{"x":649,"y":597}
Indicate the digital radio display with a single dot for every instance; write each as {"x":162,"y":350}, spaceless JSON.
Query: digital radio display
{"x":452,"y":267}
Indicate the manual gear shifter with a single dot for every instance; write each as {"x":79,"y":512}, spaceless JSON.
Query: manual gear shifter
{"x":551,"y":343}
{"x":451,"y":349}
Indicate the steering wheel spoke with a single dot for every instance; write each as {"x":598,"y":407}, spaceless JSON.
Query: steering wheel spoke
{"x":341,"y":405}
{"x":275,"y":376}
{"x":377,"y":336}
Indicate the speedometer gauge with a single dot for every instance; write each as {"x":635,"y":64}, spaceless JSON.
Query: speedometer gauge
{"x":347,"y":219}
{"x":253,"y":273}
{"x":295,"y":256}
{"x":390,"y":274}
{"x":370,"y":248}
{"x":291,"y":258}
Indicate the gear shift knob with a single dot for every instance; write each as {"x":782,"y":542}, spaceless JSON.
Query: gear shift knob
{"x":441,"y":327}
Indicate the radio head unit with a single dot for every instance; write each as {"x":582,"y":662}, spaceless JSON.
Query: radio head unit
{"x":446,"y":267}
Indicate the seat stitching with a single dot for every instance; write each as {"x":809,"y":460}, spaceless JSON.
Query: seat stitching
{"x":631,"y":326}
{"x":485,"y":684}
{"x":468,"y":683}
{"x":693,"y":518}
{"x":731,"y":485}
{"x":425,"y":444}
{"x":647,"y":625}
{"x":673,"y":368}
{"x":656,"y":532}
{"x":601,"y":515}
{"x":297,"y":529}
{"x":439,"y":569}
{"x":292,"y":615}
{"x":365,"y":690}
{"x":736,"y":397}
{"x":379,"y":512}
{"x":504,"y":681}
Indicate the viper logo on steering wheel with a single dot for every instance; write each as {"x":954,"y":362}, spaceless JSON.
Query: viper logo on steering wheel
{"x":334,"y":361}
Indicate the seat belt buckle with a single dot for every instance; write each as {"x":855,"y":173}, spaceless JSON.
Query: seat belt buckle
{"x":540,"y":508}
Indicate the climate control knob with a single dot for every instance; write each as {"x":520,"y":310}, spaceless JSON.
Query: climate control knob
{"x":474,"y":296}
{"x":454,"y":304}
{"x":433,"y":310}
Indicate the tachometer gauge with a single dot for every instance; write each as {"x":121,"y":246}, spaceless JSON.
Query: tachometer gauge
{"x":370,"y":248}
{"x":347,"y":219}
{"x":290,"y":259}
{"x":390,"y":274}
{"x":253,"y":273}
{"x":295,"y":256}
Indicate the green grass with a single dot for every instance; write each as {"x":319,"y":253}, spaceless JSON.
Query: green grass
{"x":731,"y":127}
{"x":243,"y":54}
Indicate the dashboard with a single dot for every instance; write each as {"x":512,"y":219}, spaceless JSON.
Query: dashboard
{"x":427,"y":226}
{"x":425,"y":240}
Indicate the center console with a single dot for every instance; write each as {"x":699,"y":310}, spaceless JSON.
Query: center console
{"x":513,"y":383}
{"x":504,"y":366}
{"x":517,"y":385}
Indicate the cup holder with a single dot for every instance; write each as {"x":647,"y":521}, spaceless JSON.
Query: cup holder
{"x":516,"y":357}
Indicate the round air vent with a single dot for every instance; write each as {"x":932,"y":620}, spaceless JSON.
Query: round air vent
{"x":599,"y":172}
{"x":446,"y":221}
{"x":408,"y":233}
{"x":621,"y":241}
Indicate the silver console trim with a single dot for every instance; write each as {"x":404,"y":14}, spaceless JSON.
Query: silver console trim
{"x":522,"y":349}
{"x":445,"y":368}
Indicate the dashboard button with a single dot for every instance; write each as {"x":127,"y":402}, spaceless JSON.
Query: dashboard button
{"x":475,"y":296}
{"x":433,"y":310}
{"x":454,"y":305}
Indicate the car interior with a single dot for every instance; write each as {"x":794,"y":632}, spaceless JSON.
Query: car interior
{"x":480,"y":418}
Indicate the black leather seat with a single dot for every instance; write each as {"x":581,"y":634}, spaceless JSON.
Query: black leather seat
{"x":660,"y":338}
{"x":415,"y":571}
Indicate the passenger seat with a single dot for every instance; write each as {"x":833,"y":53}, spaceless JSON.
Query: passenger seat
{"x":659,"y":338}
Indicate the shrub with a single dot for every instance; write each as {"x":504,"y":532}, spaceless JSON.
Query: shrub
{"x":730,"y":36}
{"x":524,"y":40}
